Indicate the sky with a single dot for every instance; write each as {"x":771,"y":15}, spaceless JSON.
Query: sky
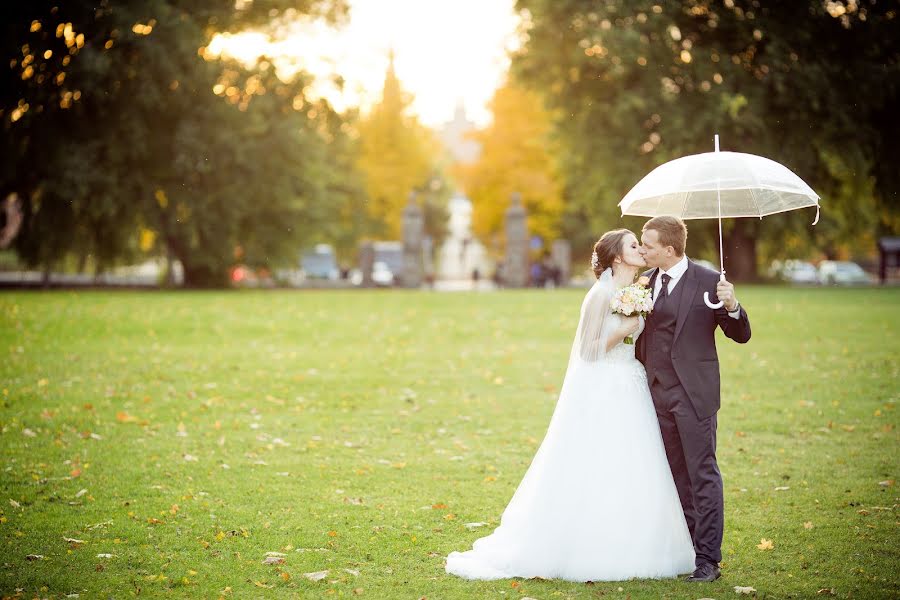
{"x":446,"y":52}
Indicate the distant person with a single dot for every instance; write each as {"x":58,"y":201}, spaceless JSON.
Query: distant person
{"x":537,"y":274}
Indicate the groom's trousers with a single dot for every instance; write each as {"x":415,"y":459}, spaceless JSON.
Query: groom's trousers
{"x":691,"y":449}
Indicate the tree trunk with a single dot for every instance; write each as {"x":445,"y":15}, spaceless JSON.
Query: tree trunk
{"x":740,"y":250}
{"x":196,"y":275}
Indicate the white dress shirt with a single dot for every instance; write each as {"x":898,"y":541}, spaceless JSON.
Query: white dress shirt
{"x":676,"y":272}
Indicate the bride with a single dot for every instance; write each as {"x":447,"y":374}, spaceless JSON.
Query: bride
{"x":598,"y":502}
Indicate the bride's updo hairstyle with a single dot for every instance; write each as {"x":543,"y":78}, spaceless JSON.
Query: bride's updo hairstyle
{"x":607,"y":248}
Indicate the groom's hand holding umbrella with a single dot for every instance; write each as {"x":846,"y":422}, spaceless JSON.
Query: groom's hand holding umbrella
{"x":725,"y":292}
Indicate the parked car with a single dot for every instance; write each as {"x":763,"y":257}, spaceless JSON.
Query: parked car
{"x":799,"y":272}
{"x":320,"y":263}
{"x":382,"y":275}
{"x":833,"y":272}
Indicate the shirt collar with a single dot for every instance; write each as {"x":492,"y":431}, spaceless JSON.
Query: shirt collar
{"x":677,"y":269}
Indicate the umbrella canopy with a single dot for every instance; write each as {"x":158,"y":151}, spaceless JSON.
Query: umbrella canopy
{"x":692,"y":187}
{"x":717,"y":184}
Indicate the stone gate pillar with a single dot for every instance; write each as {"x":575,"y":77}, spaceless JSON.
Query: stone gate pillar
{"x":561,"y":252}
{"x":413,"y":234}
{"x":515,"y":267}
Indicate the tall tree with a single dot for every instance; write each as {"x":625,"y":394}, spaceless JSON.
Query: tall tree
{"x":113,"y":121}
{"x":518,"y":155}
{"x":638,"y":83}
{"x":397,"y":154}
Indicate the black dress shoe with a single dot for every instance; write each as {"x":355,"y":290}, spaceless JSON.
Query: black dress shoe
{"x":705,"y":572}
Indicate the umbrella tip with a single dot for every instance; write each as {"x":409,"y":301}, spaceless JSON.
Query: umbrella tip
{"x":717,"y":142}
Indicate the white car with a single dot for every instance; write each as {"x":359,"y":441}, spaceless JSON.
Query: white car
{"x":800,"y":272}
{"x":832,"y":272}
{"x":382,"y":275}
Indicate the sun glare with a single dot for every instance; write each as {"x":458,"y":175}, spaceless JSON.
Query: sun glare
{"x":446,"y":52}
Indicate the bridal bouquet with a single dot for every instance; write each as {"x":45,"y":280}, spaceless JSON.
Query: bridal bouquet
{"x":632,"y":300}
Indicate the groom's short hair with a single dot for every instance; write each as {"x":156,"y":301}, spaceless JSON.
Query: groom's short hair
{"x":672,"y":232}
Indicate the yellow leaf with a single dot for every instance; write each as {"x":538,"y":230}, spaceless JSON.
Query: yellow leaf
{"x":765,"y":544}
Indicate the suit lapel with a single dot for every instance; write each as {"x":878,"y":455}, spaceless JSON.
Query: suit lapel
{"x":652,"y":283}
{"x":687,"y":298}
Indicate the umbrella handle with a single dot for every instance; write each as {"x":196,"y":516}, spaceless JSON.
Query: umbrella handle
{"x":718,"y":304}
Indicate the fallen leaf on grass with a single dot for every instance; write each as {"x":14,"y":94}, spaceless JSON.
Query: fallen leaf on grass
{"x":104,"y":555}
{"x":74,"y":541}
{"x":826,"y":592}
{"x":808,"y":525}
{"x":353,"y":572}
{"x":274,"y":560}
{"x":34,"y":557}
{"x":474,"y":525}
{"x":782,"y":488}
{"x":14,"y":504}
{"x":285,"y":576}
{"x":744,"y":589}
{"x":886,"y":483}
{"x":81,"y":493}
{"x":765,"y":544}
{"x":316,"y":576}
{"x":262,"y":585}
{"x":124,"y":417}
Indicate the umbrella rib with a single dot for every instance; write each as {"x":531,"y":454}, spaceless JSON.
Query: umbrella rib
{"x":755,"y":203}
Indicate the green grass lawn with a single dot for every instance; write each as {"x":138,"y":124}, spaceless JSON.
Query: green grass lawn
{"x":179,"y":437}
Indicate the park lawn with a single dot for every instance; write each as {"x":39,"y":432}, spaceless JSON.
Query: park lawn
{"x":358,"y":432}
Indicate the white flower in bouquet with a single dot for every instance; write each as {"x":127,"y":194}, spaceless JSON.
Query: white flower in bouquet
{"x":632,"y":300}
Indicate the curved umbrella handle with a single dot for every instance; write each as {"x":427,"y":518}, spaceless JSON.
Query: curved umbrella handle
{"x":817,"y":215}
{"x":718,"y":304}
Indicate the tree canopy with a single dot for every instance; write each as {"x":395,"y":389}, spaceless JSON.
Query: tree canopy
{"x":121,"y":132}
{"x":518,"y":154}
{"x":809,"y":84}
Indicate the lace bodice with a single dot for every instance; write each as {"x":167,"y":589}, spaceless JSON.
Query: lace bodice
{"x":623,"y":351}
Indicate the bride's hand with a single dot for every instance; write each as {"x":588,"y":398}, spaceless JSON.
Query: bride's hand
{"x":630,"y":325}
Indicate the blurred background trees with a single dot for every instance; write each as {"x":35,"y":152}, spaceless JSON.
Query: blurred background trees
{"x":120,"y":135}
{"x":518,"y":154}
{"x":809,"y":84}
{"x":124,"y":137}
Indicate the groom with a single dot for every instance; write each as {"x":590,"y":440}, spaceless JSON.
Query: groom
{"x":678,"y":350}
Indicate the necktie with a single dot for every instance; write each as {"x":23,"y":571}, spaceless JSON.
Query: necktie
{"x":663,"y":290}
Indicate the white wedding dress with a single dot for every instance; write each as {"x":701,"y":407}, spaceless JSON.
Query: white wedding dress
{"x":598,"y":502}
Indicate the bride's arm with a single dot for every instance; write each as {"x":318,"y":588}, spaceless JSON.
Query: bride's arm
{"x":624,"y":327}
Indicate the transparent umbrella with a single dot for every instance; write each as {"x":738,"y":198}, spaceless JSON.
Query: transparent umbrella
{"x":717,"y":185}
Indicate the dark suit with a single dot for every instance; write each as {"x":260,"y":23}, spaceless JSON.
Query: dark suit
{"x":678,"y":349}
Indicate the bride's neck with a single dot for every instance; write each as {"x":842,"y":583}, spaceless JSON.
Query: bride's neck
{"x":624,"y":275}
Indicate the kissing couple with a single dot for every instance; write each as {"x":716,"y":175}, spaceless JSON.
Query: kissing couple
{"x":625,"y":483}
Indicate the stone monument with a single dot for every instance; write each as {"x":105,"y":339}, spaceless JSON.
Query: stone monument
{"x":413,"y":235}
{"x":561,"y":252}
{"x":366,"y":262}
{"x":515,"y":266}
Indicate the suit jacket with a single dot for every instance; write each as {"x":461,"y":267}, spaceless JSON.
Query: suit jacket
{"x":693,"y":353}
